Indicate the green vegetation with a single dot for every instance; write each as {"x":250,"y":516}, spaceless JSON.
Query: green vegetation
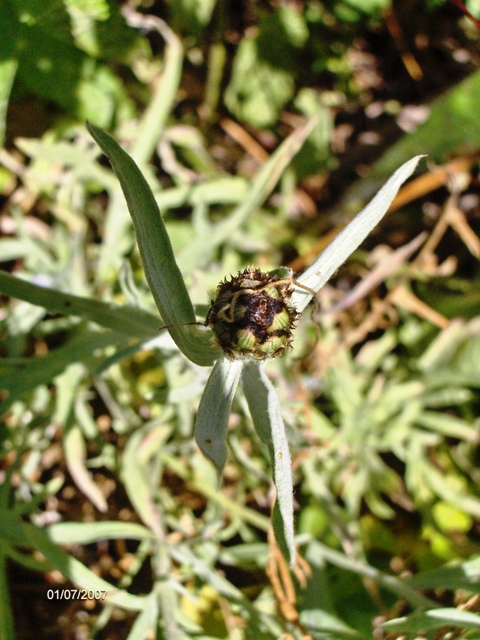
{"x":367,"y":430}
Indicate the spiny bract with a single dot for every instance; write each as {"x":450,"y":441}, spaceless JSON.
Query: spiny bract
{"x":251,"y":315}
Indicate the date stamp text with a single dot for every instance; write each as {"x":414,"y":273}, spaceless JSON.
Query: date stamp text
{"x":75,"y":594}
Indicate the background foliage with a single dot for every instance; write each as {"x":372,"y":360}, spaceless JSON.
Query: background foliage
{"x":102,"y":483}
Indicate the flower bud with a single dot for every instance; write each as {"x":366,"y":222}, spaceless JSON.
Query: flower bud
{"x":251,"y":315}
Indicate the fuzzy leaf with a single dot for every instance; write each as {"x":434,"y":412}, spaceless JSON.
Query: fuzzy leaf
{"x":161,"y":269}
{"x":211,"y":425}
{"x":351,"y":237}
{"x":265,"y":410}
{"x":119,"y":318}
{"x":434,"y":619}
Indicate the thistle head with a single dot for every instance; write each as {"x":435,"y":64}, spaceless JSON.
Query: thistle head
{"x":251,"y":314}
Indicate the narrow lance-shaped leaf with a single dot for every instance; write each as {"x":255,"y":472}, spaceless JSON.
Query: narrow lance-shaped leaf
{"x":21,"y":375}
{"x":211,"y":425}
{"x":434,"y":619}
{"x":137,"y":479}
{"x":77,"y":572}
{"x":160,"y":106}
{"x":265,"y":410}
{"x":161,"y":269}
{"x":119,"y":318}
{"x":352,"y":236}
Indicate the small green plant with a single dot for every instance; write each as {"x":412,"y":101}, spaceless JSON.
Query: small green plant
{"x":242,"y":361}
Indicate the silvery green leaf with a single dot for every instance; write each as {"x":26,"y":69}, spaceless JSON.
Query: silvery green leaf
{"x":211,"y":425}
{"x":433,"y":619}
{"x":161,"y":269}
{"x":130,"y":321}
{"x":351,"y":237}
{"x":265,"y":411}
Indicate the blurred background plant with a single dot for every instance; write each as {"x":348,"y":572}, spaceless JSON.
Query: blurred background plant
{"x":101,"y":478}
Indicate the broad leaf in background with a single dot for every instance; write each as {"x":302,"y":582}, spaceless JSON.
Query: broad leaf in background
{"x":261,"y":82}
{"x":62,"y":66}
